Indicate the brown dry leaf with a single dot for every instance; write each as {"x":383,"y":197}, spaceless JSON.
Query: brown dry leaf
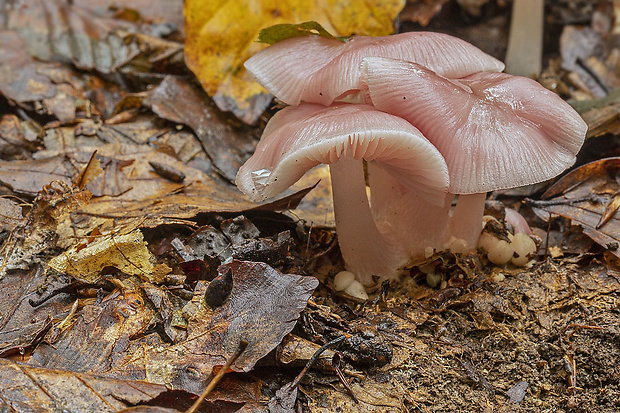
{"x":127,"y":253}
{"x":421,"y":12}
{"x":19,"y":77}
{"x":296,"y":351}
{"x":135,"y":196}
{"x":262,"y":308}
{"x":21,"y":323}
{"x":24,"y":80}
{"x":159,"y":12}
{"x":373,"y":396}
{"x":25,"y":388}
{"x":151,"y":199}
{"x":590,"y":54}
{"x":39,"y":231}
{"x":55,"y":29}
{"x":587,"y":197}
{"x":29,"y":177}
{"x":181,"y":102}
{"x":17,"y":139}
{"x":221,"y":35}
{"x":10,"y":214}
{"x":602,"y":115}
{"x":316,"y":209}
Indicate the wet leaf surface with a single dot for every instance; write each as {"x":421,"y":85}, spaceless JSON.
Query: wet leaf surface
{"x":24,"y":388}
{"x":247,"y":313}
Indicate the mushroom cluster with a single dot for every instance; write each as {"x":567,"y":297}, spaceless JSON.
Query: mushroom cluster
{"x":436,"y":123}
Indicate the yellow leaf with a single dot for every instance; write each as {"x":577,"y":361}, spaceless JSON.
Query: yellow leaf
{"x":127,"y":252}
{"x":222,"y":34}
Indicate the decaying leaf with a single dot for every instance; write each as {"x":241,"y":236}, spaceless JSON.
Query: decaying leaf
{"x":55,"y":29}
{"x":421,"y":11}
{"x":221,"y":35}
{"x":29,"y":177}
{"x":126,"y":252}
{"x":10,"y":214}
{"x":262,"y":308}
{"x":19,"y":78}
{"x":40,"y":230}
{"x":588,"y":197}
{"x":25,"y":388}
{"x":181,"y":102}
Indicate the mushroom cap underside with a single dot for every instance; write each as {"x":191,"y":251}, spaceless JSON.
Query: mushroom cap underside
{"x":299,"y":138}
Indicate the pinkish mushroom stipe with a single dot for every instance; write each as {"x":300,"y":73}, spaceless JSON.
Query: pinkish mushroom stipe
{"x":434,"y":122}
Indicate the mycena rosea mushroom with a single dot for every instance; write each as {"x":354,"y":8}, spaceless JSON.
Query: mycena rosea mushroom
{"x":322,"y":70}
{"x":494,"y":130}
{"x":343,"y":135}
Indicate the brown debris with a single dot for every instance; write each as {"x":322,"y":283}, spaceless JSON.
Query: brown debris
{"x":184,"y":103}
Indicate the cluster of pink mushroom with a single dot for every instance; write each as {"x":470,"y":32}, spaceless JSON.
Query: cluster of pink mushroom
{"x":434,"y":120}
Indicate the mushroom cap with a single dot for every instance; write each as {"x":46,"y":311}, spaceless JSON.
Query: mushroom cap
{"x":494,"y":130}
{"x":299,"y":138}
{"x":319,"y":70}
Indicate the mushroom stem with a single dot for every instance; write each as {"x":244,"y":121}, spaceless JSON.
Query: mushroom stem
{"x":466,"y":221}
{"x":417,"y":223}
{"x":525,"y":42}
{"x":357,"y":230}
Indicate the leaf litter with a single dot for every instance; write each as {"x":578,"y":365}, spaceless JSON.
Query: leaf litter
{"x":162,"y":267}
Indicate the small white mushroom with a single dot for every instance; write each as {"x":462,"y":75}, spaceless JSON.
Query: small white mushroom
{"x":524,"y":247}
{"x":357,"y":290}
{"x":343,"y":279}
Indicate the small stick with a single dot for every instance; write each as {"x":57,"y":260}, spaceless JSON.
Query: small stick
{"x":242,"y":346}
{"x":343,"y":380}
{"x":313,"y":359}
{"x":570,"y":365}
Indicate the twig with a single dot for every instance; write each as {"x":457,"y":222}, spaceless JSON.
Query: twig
{"x":313,"y":359}
{"x":242,"y":346}
{"x":343,"y":380}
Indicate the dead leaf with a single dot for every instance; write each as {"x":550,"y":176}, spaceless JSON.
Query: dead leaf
{"x":19,"y":77}
{"x":29,"y":177}
{"x":220,"y":36}
{"x":39,"y":231}
{"x":107,"y":326}
{"x":248,"y":313}
{"x":21,"y":322}
{"x":26,"y":388}
{"x":585,"y":196}
{"x":421,"y":11}
{"x":55,"y":29}
{"x":10,"y":214}
{"x":157,"y":12}
{"x":126,"y":252}
{"x":181,"y":102}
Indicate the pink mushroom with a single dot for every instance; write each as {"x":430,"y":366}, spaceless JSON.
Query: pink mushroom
{"x":494,"y":130}
{"x":321,"y":70}
{"x":300,"y":137}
